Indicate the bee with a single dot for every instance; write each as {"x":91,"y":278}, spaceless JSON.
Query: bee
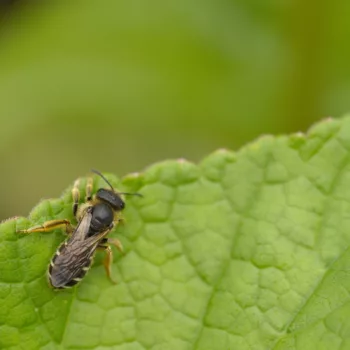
{"x":96,"y":218}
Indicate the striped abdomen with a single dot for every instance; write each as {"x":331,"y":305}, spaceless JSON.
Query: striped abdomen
{"x":70,"y":263}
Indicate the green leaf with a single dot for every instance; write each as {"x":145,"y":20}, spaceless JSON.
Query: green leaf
{"x":246,"y":250}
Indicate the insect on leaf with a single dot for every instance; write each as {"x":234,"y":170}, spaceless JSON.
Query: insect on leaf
{"x":245,"y":250}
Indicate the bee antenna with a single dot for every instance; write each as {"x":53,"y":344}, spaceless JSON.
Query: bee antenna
{"x":131,"y":194}
{"x":99,"y":174}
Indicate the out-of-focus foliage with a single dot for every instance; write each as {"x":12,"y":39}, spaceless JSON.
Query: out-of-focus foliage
{"x":116,"y":85}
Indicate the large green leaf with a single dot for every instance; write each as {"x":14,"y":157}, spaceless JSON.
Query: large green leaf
{"x":246,"y":250}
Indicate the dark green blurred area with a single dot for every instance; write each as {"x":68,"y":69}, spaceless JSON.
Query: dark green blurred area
{"x":118,"y":85}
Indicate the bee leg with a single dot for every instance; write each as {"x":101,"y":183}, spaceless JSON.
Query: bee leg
{"x":89,"y":189}
{"x":107,"y":262}
{"x":75,"y":196}
{"x":116,"y":243}
{"x":105,"y":242}
{"x":50,"y":226}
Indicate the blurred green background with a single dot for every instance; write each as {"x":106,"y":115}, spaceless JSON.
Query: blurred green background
{"x":118,"y":85}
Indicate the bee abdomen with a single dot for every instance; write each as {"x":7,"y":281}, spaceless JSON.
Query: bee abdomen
{"x":64,"y":275}
{"x":59,"y":280}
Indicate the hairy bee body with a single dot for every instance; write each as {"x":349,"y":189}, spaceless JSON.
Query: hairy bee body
{"x":96,"y":218}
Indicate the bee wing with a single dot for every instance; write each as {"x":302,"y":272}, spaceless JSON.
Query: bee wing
{"x":74,"y":255}
{"x":82,"y":229}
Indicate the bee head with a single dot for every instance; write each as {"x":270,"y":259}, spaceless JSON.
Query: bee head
{"x":110,"y":196}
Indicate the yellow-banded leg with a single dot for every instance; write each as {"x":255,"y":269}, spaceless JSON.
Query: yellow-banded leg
{"x":50,"y":226}
{"x":107,"y":262}
{"x":89,"y":185}
{"x":75,"y":196}
{"x":76,"y":193}
{"x":65,"y":224}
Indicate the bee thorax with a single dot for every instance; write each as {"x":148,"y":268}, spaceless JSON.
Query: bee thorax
{"x":102,"y":218}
